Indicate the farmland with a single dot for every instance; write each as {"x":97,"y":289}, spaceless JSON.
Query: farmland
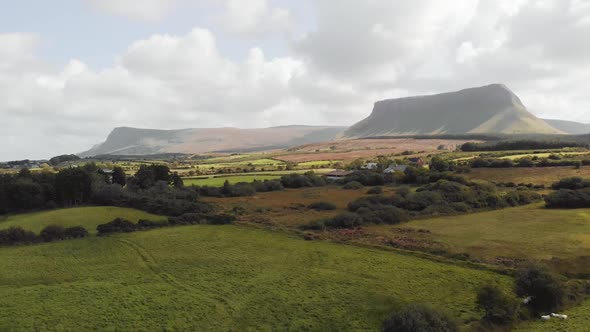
{"x":535,"y":175}
{"x":88,"y":217}
{"x":560,"y":237}
{"x":221,"y":278}
{"x":219,"y":181}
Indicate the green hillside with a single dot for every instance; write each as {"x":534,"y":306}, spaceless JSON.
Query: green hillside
{"x":225,"y":278}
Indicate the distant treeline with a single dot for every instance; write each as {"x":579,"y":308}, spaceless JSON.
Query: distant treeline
{"x":520,"y":145}
{"x":476,"y":137}
{"x":309,"y":179}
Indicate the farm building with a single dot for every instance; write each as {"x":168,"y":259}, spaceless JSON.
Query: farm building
{"x":337,"y":174}
{"x":395,"y":168}
{"x":371,"y":166}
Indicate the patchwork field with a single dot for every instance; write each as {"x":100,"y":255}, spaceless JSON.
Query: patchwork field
{"x":536,"y":175}
{"x":228,"y":278}
{"x":88,"y":217}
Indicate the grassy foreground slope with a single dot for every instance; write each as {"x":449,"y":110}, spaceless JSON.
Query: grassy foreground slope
{"x":221,"y":278}
{"x":88,"y":217}
{"x":578,"y":321}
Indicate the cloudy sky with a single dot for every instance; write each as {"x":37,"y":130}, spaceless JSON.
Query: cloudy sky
{"x":71,"y":70}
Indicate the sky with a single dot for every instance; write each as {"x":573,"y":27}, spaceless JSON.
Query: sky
{"x":72,"y":70}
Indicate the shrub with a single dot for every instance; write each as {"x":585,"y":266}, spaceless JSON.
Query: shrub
{"x":572,"y":183}
{"x":53,"y":233}
{"x":16,"y":235}
{"x":322,"y":206}
{"x":344,"y":220}
{"x":375,"y":191}
{"x":76,"y":232}
{"x":499,"y":308}
{"x":148,"y":224}
{"x":221,"y":219}
{"x":419,"y":318}
{"x":353,"y":185}
{"x":116,"y":226}
{"x":546,"y":289}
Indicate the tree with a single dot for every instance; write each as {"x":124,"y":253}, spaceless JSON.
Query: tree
{"x":419,"y":318}
{"x":438,"y":164}
{"x":499,"y":308}
{"x":119,"y":176}
{"x":545,"y":288}
{"x":73,"y":186}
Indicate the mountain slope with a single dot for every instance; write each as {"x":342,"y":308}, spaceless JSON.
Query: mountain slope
{"x":569,"y":127}
{"x":135,"y":141}
{"x":492,"y":109}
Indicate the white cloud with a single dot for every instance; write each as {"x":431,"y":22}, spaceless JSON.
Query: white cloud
{"x":146,"y":10}
{"x":356,"y":53}
{"x":254,"y":18}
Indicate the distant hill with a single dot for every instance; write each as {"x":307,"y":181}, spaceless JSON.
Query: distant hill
{"x":492,"y":109}
{"x":135,"y":141}
{"x":570,"y":127}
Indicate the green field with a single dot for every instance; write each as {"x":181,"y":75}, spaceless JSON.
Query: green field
{"x":224,"y":278}
{"x":88,"y":217}
{"x":528,"y":232}
{"x":578,"y":321}
{"x":318,"y":163}
{"x":219,"y":181}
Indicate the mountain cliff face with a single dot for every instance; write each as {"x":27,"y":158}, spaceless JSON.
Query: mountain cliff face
{"x":134,"y":141}
{"x":492,"y":109}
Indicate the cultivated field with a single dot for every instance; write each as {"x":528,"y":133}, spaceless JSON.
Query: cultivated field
{"x":229,"y":278}
{"x":88,"y":217}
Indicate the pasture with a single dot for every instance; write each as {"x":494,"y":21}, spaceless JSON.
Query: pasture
{"x":535,"y":175}
{"x":219,"y":181}
{"x":229,"y":278}
{"x":87,"y":217}
{"x":559,"y":237}
{"x":578,"y":321}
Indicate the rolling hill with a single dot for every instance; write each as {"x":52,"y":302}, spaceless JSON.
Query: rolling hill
{"x":492,"y":109}
{"x":135,"y":141}
{"x":570,"y":127}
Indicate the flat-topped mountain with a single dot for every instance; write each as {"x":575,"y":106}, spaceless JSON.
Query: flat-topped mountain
{"x":492,"y":109}
{"x":135,"y":141}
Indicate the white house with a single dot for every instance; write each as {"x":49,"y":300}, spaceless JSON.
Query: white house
{"x":395,"y":168}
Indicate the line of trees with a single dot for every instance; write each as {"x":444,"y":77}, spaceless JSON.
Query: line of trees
{"x":520,"y":145}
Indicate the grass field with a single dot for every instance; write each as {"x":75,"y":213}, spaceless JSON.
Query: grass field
{"x":578,"y":321}
{"x":535,"y":175}
{"x":88,"y":217}
{"x":529,"y":232}
{"x":228,"y":278}
{"x":218,"y":182}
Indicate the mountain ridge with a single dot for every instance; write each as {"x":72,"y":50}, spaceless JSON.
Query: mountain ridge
{"x":493,"y":109}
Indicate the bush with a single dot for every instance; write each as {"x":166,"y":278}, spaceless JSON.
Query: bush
{"x":546,"y":289}
{"x":322,"y":206}
{"x":76,"y":232}
{"x":375,"y":191}
{"x":419,"y":318}
{"x":16,"y":235}
{"x":148,"y":224}
{"x":568,"y":199}
{"x":116,"y":226}
{"x":573,"y":183}
{"x":499,"y":308}
{"x":53,"y":233}
{"x":344,"y":220}
{"x":353,"y":185}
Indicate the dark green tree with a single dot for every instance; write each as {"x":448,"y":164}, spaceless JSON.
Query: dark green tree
{"x":119,"y":176}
